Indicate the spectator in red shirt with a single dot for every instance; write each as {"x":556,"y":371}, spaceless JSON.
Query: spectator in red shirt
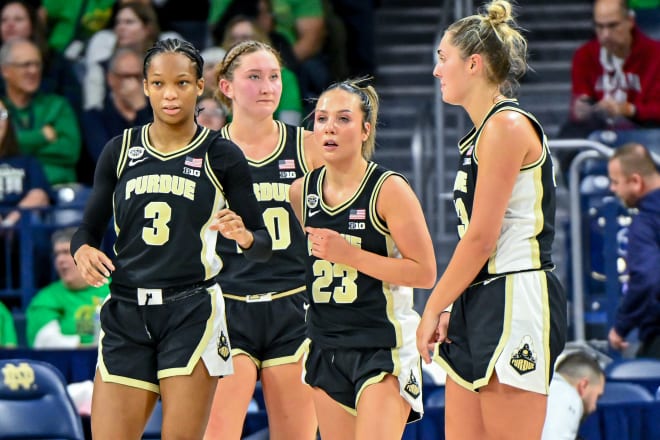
{"x":615,"y":75}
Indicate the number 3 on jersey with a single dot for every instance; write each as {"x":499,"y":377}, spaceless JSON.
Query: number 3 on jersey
{"x":159,"y":232}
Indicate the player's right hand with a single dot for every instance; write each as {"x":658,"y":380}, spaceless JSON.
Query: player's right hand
{"x":94,"y":266}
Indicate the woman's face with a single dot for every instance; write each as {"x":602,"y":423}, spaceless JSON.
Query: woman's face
{"x":172,"y":87}
{"x":257,"y":85}
{"x":339,"y":124}
{"x":240,"y":31}
{"x":452,"y":70}
{"x":15,"y":22}
{"x":130,"y":30}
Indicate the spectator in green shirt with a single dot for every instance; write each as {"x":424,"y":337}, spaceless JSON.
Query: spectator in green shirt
{"x":62,"y":314}
{"x":46,"y":125}
{"x":7,"y":329}
{"x":72,"y":22}
{"x":290,"y":108}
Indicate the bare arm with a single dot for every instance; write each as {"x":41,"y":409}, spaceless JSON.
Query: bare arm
{"x":35,"y":198}
{"x":500,"y":161}
{"x":311,"y":33}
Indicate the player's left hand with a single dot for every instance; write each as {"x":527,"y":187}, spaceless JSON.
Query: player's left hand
{"x":231,"y":226}
{"x":427,"y":335}
{"x":327,"y":244}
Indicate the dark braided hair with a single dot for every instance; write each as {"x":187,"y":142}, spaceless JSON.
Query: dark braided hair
{"x":174,"y":45}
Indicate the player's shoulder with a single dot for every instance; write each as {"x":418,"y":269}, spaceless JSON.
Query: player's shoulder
{"x":222,"y":152}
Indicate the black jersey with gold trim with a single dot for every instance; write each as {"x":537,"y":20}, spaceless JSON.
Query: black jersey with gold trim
{"x":349,"y":308}
{"x":527,"y":233}
{"x":163,"y":208}
{"x":271,"y":176}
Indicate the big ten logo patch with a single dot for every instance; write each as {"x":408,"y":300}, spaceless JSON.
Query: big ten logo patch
{"x":17,"y":376}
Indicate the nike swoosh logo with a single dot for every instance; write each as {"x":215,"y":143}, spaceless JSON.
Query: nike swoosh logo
{"x":313,"y":213}
{"x":136,"y":161}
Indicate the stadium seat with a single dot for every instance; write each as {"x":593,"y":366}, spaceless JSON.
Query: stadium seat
{"x":436,"y":399}
{"x":624,"y":392}
{"x":70,"y":201}
{"x":432,"y":425}
{"x":643,"y":372}
{"x":649,"y":137}
{"x":626,"y":411}
{"x":34,"y":402}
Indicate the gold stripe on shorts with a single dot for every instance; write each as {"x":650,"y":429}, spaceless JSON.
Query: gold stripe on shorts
{"x":264,"y":297}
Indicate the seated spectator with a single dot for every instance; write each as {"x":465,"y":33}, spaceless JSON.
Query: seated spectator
{"x":301,"y":23}
{"x":635,"y":179}
{"x":577,"y":384}
{"x":211,"y":114}
{"x":211,"y":56}
{"x":615,"y":75}
{"x":188,"y":21}
{"x":358,"y":17}
{"x":62,"y":315}
{"x":7,"y":328}
{"x":19,"y":20}
{"x":289,"y":111}
{"x":261,"y":11}
{"x":647,"y":16}
{"x":71,"y":23}
{"x":45,"y":124}
{"x":136,"y":27}
{"x":124,"y":107}
{"x":22,"y":185}
{"x":22,"y":180}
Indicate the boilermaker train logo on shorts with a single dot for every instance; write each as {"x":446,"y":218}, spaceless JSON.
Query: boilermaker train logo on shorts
{"x":412,"y":387}
{"x":523,"y":360}
{"x":223,"y":346}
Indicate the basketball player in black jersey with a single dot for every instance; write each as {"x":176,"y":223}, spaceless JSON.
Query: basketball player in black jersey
{"x":265,"y":301}
{"x":368,"y":246}
{"x":508,"y":322}
{"x":168,"y":185}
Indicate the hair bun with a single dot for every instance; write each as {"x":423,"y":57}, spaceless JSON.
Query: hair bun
{"x":499,"y":11}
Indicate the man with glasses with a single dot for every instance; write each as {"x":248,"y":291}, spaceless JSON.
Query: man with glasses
{"x":615,"y":75}
{"x":124,"y":106}
{"x":46,"y":125}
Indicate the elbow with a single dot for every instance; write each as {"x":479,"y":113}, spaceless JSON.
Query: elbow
{"x":264,"y":256}
{"x":427,"y":281}
{"x":424,"y":278}
{"x":482,"y":245}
